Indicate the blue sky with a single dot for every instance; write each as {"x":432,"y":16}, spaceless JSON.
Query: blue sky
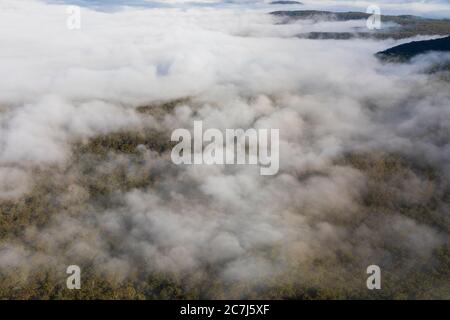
{"x":197,"y":2}
{"x":109,"y":3}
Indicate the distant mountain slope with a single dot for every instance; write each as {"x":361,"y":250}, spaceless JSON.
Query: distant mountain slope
{"x":286,"y":2}
{"x":321,"y":15}
{"x":406,"y":26}
{"x":409,"y":50}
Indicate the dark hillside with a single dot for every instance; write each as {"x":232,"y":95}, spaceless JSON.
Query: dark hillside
{"x":409,"y":50}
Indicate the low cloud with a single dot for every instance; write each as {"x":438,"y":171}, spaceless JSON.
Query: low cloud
{"x":234,"y":69}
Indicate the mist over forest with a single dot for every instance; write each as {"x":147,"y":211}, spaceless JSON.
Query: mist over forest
{"x":86,"y":176}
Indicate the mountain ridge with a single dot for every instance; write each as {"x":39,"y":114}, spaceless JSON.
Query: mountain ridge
{"x":407,"y":51}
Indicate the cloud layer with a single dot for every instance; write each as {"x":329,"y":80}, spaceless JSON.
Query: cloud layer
{"x":235,"y":69}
